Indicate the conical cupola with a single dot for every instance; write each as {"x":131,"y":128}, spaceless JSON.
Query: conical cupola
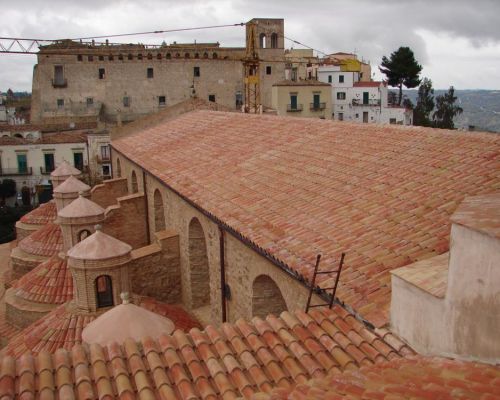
{"x":78,"y":219}
{"x":99,"y":265}
{"x":63,"y":172}
{"x":69,"y":190}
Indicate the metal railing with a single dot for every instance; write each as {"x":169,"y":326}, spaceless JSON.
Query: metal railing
{"x":59,"y":83}
{"x":16,"y":171}
{"x":298,"y":107}
{"x":371,"y":102}
{"x":317,"y":106}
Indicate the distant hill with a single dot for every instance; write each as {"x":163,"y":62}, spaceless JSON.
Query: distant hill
{"x":481,"y":108}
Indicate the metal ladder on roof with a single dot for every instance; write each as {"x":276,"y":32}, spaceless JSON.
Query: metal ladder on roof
{"x":333,"y":289}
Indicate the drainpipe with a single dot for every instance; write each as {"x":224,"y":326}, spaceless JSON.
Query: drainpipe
{"x":144,"y":188}
{"x":222,"y":275}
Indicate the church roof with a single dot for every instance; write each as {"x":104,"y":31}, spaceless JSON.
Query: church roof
{"x":46,"y":241}
{"x":65,"y":169}
{"x":99,"y":246}
{"x":294,"y":187}
{"x":81,"y":207}
{"x":41,"y":215}
{"x":72,"y":185}
{"x":50,"y":282}
{"x":234,"y":360}
{"x":135,"y":322}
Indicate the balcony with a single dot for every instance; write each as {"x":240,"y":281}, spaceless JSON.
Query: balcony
{"x":16,"y":171}
{"x":297,"y":108}
{"x":59,"y":83}
{"x":317,"y":106}
{"x":371,"y":102}
{"x":46,"y":170}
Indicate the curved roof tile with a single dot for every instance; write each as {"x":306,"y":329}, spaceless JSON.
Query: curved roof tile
{"x":99,"y":246}
{"x":46,"y":241}
{"x":65,"y":169}
{"x":41,"y":215}
{"x":81,"y":207}
{"x":72,"y":185}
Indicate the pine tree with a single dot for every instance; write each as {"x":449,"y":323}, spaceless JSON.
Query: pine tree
{"x":425,"y":104}
{"x":401,"y":69}
{"x":446,"y":110}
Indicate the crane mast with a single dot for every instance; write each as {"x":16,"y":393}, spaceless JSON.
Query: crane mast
{"x":252,"y":72}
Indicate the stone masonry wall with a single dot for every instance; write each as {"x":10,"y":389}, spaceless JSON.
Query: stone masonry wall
{"x":155,"y":269}
{"x":106,"y":193}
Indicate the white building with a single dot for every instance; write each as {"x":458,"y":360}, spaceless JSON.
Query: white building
{"x":358,"y":101}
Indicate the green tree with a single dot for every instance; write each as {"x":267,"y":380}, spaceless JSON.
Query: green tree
{"x":401,"y":69}
{"x":7,"y":189}
{"x":446,"y":110}
{"x":425,"y":104}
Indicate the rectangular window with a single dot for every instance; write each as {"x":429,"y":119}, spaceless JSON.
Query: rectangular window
{"x":126,"y":101}
{"x":268,"y":70}
{"x":90,"y":101}
{"x":392,"y":121}
{"x":365,"y":117}
{"x":196,"y":71}
{"x":329,"y":79}
{"x":316,"y":101}
{"x":294,"y":74}
{"x":366,"y":97}
{"x":102,"y":73}
{"x":22,"y":163}
{"x":49,"y":162}
{"x":59,"y":76}
{"x":341,"y":116}
{"x":90,"y":58}
{"x":341,"y":78}
{"x":79,"y":57}
{"x":101,"y":58}
{"x":150,"y":73}
{"x":239,"y":99}
{"x":106,"y":170}
{"x":340,"y":95}
{"x":78,"y":160}
{"x":60,"y":103}
{"x":161,"y":101}
{"x":211,"y":97}
{"x":105,"y":152}
{"x":293,"y":101}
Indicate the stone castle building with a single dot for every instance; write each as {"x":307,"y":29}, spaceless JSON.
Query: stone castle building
{"x":76,"y":82}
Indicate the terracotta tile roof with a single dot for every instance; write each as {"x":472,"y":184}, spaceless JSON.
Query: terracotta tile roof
{"x":41,"y":215}
{"x":46,"y":241}
{"x":409,"y":378}
{"x":62,"y":327}
{"x":430,"y":275}
{"x":367,"y":84}
{"x":309,"y":82}
{"x":296,"y":187}
{"x":56,"y":138}
{"x":51,"y":283}
{"x":236,"y":360}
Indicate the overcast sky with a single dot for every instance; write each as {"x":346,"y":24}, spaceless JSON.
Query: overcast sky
{"x":457,"y":41}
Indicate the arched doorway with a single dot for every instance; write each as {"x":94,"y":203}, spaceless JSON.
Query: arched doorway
{"x":104,"y":291}
{"x":198,"y":265}
{"x":118,"y":168}
{"x":83,"y":234}
{"x":266,"y":297}
{"x":159,"y":212}
{"x":133,"y":182}
{"x":274,"y":40}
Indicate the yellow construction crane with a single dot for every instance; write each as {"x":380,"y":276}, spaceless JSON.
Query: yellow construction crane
{"x":252,"y":72}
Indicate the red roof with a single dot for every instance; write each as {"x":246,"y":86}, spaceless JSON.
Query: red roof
{"x":367,"y":84}
{"x":46,"y":241}
{"x":41,"y":215}
{"x":296,"y":187}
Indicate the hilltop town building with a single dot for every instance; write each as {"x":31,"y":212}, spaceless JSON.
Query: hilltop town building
{"x":119,"y":83}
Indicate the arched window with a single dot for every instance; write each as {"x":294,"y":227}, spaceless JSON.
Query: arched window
{"x":118,"y":168}
{"x":120,"y":57}
{"x":111,"y":57}
{"x":159,"y":212}
{"x":205,"y":55}
{"x":168,"y":56}
{"x":214,"y":55}
{"x":29,"y":136}
{"x":274,"y":40}
{"x":150,"y":56}
{"x":158,"y":56}
{"x":133,"y":183}
{"x":130,"y":57}
{"x":104,"y":291}
{"x":186,"y":55}
{"x":198,"y":265}
{"x":139,"y":56}
{"x":262,"y":40}
{"x":83,"y":234}
{"x":266,"y":297}
{"x":18,"y":135}
{"x":196,"y":55}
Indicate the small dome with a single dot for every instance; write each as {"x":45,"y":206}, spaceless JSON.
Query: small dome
{"x":72,"y":185}
{"x":99,"y":246}
{"x":41,"y":215}
{"x":46,"y":241}
{"x":126,"y":321}
{"x":81,"y":207}
{"x":65,"y":169}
